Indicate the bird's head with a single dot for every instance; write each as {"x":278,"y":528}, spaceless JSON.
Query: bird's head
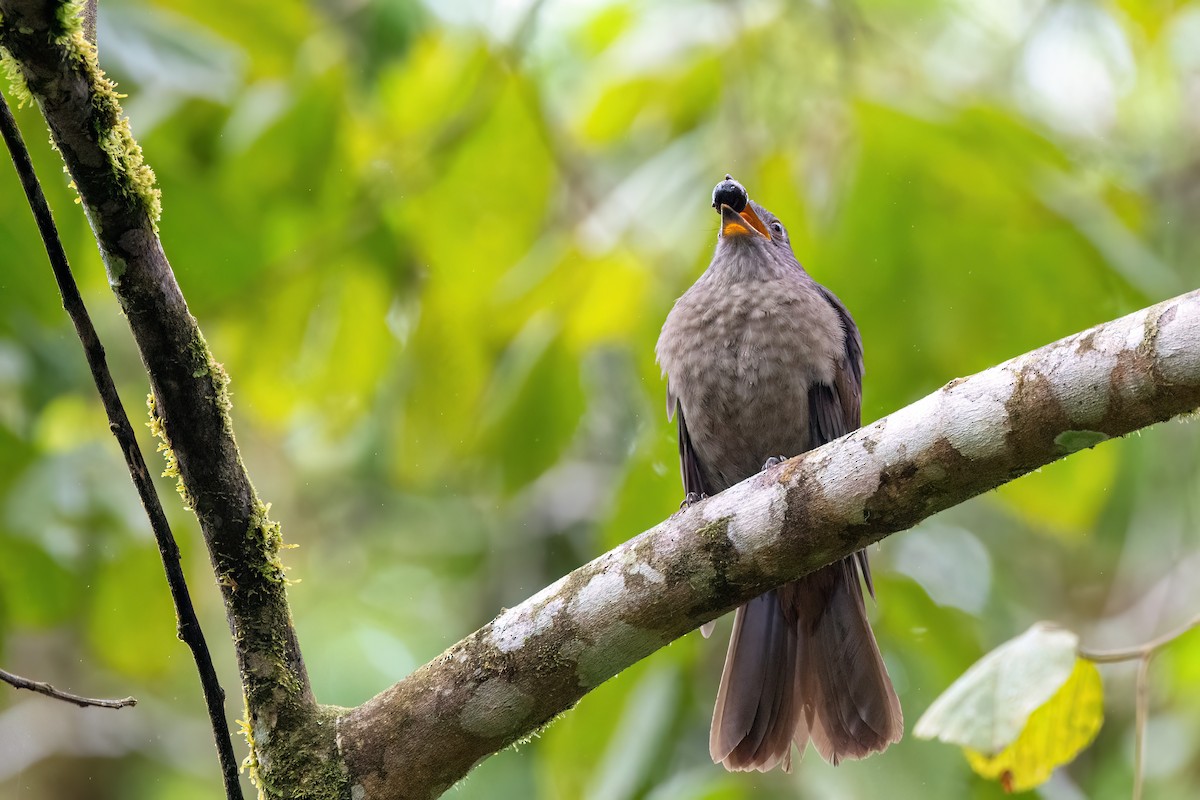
{"x":748,"y":229}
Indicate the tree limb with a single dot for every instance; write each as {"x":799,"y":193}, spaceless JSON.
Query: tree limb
{"x":536,"y":660}
{"x":190,"y":403}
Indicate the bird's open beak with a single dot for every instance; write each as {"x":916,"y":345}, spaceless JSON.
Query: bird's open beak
{"x":744,"y":224}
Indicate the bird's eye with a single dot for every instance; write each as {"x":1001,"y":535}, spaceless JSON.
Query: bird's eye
{"x":777,"y":227}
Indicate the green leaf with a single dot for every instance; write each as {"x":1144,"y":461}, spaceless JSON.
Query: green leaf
{"x":1074,"y":441}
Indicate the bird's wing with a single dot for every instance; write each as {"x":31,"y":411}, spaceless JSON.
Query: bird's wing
{"x":836,"y":410}
{"x":694,"y":482}
{"x":848,"y":374}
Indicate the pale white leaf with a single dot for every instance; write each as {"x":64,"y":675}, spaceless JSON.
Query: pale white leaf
{"x":988,"y":706}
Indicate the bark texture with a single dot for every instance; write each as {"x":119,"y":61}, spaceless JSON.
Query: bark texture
{"x":536,"y":660}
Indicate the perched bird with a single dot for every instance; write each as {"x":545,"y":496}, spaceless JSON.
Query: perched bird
{"x":764,"y":363}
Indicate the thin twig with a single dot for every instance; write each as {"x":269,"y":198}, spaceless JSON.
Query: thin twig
{"x":1142,"y":707}
{"x":1142,"y":653}
{"x":188,"y":624}
{"x":1141,"y":650}
{"x":58,"y":694}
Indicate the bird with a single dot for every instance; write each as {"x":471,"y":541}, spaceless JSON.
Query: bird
{"x":763,"y":363}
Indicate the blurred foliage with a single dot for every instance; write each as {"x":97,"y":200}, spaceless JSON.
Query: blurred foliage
{"x":433,"y":243}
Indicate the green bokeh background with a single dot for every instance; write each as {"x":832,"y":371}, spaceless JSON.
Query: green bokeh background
{"x":433,"y":243}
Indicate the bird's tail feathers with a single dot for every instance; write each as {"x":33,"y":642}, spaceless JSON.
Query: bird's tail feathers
{"x":803,"y":663}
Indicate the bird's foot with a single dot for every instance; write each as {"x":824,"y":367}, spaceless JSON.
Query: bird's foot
{"x":691,"y":498}
{"x":774,"y":461}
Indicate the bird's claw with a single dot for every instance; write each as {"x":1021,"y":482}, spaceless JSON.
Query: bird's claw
{"x":691,"y":498}
{"x":774,"y":461}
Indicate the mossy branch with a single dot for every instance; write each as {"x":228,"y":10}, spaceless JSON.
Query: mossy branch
{"x":188,"y":625}
{"x":56,"y":65}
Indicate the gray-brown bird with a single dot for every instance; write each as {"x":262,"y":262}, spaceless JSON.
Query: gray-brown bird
{"x":763,"y":363}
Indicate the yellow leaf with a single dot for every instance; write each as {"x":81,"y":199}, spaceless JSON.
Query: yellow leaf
{"x":1055,"y":733}
{"x":991,"y":703}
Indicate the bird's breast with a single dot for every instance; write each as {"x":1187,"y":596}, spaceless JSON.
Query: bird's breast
{"x":740,"y":359}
